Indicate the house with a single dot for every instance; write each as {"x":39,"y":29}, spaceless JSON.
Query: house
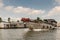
{"x":40,"y":25}
{"x":16,"y":24}
{"x":58,"y":24}
{"x":45,"y":24}
{"x":4,"y":24}
{"x":51,"y":22}
{"x":11,"y":24}
{"x":21,"y":25}
{"x":25,"y":19}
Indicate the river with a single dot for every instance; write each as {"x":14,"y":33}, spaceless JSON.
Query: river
{"x":24,"y":34}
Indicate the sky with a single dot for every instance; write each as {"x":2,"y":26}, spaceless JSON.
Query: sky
{"x":16,"y":9}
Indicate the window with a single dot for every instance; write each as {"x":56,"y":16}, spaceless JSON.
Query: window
{"x":7,"y":25}
{"x":47,"y":27}
{"x":43,"y":27}
{"x":50,"y":26}
{"x":14,"y":25}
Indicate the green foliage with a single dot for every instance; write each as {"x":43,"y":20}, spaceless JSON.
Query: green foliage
{"x":9,"y":19}
{"x":38,"y":18}
{"x":17,"y":20}
{"x":0,"y":19}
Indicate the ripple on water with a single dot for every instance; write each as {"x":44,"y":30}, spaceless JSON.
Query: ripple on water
{"x":25,"y":34}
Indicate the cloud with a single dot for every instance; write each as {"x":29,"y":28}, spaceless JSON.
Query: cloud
{"x":57,"y":1}
{"x":1,"y":0}
{"x":27,"y":10}
{"x":9,"y":8}
{"x":1,"y":3}
{"x":54,"y":11}
{"x":20,"y":9}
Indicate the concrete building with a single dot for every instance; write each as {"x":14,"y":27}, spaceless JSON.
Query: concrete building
{"x":16,"y":24}
{"x":39,"y":25}
{"x":11,"y":24}
{"x":4,"y":24}
{"x":58,"y":24}
{"x":46,"y":24}
{"x":51,"y":22}
{"x":21,"y":25}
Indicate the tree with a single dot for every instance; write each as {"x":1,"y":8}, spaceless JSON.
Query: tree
{"x":17,"y":20}
{"x":9,"y":19}
{"x":0,"y":19}
{"x":38,"y":18}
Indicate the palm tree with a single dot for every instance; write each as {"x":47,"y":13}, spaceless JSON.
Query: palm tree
{"x":38,"y":18}
{"x":17,"y":20}
{"x":0,"y":19}
{"x":9,"y":19}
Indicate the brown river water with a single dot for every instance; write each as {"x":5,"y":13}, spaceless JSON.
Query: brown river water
{"x":24,"y":34}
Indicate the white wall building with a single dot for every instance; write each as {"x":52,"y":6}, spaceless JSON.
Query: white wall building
{"x":11,"y":24}
{"x":39,"y":25}
{"x":4,"y":24}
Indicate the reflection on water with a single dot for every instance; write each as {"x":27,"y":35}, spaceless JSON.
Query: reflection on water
{"x":24,"y":34}
{"x":44,"y":35}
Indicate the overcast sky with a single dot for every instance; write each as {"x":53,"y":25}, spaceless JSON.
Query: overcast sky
{"x":30,"y":8}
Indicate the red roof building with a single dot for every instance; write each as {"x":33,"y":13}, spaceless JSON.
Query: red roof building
{"x":25,"y":19}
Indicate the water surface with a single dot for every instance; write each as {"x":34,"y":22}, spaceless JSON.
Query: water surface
{"x":24,"y":34}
